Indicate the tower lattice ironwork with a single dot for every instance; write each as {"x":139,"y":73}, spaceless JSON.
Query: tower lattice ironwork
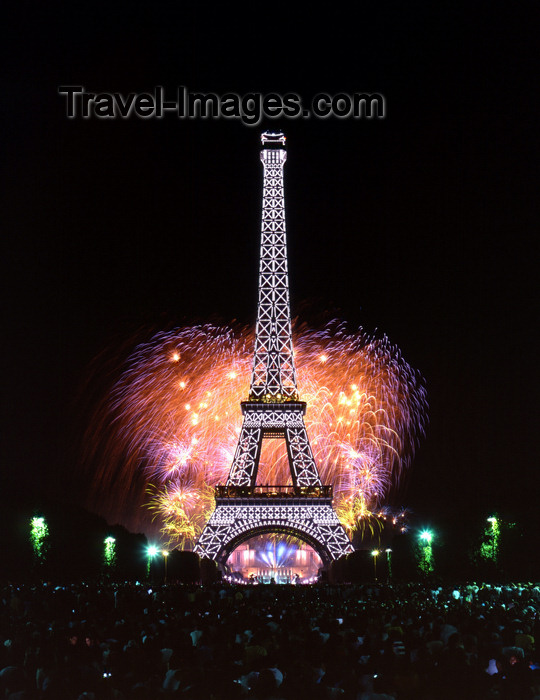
{"x":273,"y":410}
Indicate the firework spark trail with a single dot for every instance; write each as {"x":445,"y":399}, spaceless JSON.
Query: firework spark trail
{"x":174,"y":418}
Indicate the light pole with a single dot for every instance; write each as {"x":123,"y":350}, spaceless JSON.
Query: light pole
{"x":389,"y":561}
{"x":375,"y":553}
{"x":151,"y":552}
{"x":165,"y":557}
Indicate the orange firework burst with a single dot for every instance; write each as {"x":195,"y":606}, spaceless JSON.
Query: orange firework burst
{"x":173,"y":419}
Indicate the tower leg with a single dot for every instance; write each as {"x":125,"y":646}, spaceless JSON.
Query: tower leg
{"x":246,"y":457}
{"x":303,"y":467}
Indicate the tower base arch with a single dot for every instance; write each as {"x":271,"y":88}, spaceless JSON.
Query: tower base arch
{"x":235,"y":520}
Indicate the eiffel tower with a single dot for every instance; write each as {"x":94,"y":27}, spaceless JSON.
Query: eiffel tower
{"x":273,"y":411}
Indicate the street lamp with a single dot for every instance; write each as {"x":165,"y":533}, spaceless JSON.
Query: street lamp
{"x":165,"y":557}
{"x":151,"y":551}
{"x":426,"y":536}
{"x":389,"y":561}
{"x":375,"y":553}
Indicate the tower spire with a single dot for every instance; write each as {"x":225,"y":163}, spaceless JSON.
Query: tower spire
{"x":273,"y":377}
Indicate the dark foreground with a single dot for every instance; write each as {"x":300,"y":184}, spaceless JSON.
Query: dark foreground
{"x":368,"y":642}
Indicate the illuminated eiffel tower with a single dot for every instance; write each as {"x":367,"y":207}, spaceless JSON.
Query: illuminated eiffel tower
{"x":273,"y":411}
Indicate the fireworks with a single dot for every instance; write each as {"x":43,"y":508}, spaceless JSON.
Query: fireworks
{"x":183,"y":507}
{"x":171,"y":423}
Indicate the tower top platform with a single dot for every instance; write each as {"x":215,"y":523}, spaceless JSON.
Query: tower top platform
{"x":271,"y":138}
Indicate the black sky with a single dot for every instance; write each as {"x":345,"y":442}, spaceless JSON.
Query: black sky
{"x":423,"y":225}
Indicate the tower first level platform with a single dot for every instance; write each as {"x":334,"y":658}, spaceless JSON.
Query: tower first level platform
{"x":303,"y":512}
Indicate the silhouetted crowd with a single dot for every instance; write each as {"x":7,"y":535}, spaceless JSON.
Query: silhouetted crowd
{"x":365,"y":642}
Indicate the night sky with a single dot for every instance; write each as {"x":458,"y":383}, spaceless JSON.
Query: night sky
{"x":423,"y":225}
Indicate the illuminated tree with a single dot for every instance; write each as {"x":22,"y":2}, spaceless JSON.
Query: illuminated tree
{"x":39,"y":534}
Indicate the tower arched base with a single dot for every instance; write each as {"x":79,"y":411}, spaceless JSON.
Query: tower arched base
{"x":312,"y":520}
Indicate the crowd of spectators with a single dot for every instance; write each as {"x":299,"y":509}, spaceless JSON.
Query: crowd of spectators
{"x":411,"y":641}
